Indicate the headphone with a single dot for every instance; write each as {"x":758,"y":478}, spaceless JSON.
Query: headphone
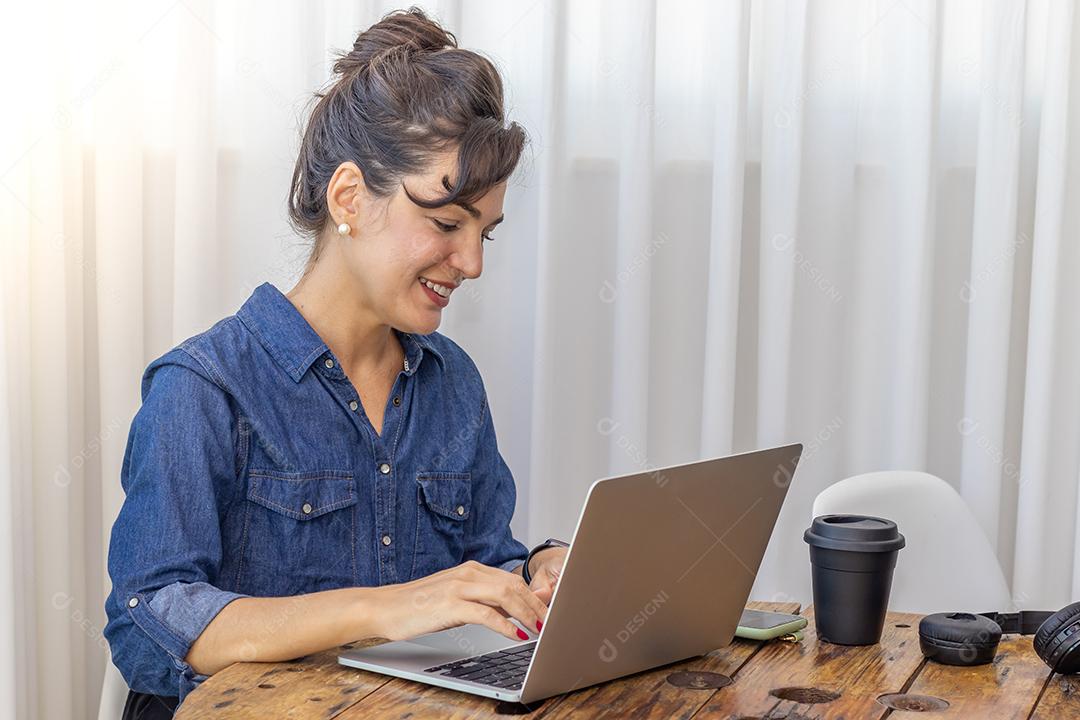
{"x":967,"y":639}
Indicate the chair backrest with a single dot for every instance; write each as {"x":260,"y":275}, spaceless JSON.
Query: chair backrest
{"x":947,"y":564}
{"x":114,"y":693}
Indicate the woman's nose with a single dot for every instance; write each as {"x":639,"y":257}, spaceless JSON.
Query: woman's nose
{"x":468,"y":260}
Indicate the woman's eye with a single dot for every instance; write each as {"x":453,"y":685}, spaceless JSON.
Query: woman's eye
{"x":448,"y":227}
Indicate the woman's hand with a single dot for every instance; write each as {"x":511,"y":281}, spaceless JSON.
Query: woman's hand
{"x":545,"y":570}
{"x":469,"y":593}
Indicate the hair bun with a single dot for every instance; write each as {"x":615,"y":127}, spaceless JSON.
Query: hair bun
{"x":402,"y":30}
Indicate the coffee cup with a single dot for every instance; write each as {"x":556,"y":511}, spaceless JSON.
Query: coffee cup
{"x":852,"y":559}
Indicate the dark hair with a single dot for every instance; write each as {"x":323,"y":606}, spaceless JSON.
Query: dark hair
{"x":405,"y":92}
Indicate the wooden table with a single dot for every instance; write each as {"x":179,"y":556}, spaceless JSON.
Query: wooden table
{"x":746,"y":680}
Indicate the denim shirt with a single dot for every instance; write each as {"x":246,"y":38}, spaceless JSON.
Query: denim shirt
{"x":251,"y":469}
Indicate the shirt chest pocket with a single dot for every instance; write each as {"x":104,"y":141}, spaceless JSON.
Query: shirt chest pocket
{"x":300,"y":534}
{"x":443,"y":508}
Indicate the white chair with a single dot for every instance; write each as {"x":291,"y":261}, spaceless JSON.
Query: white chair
{"x":113,"y":693}
{"x":947,"y":564}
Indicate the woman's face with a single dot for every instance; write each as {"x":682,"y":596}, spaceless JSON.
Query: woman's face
{"x":397,"y":249}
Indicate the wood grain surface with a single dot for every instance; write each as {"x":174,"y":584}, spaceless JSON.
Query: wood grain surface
{"x":746,"y":680}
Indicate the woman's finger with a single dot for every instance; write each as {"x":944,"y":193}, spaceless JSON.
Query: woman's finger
{"x":481,"y":614}
{"x":543,"y":588}
{"x":497,"y":576}
{"x":539,"y":606}
{"x":512,"y":597}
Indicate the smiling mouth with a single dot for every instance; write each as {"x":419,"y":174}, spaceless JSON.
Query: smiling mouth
{"x":440,"y":290}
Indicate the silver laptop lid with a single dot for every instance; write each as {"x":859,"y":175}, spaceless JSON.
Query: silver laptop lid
{"x":660,"y":568}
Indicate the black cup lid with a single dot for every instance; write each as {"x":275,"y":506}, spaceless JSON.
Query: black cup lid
{"x":857,"y":533}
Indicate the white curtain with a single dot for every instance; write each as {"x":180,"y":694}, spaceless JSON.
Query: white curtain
{"x":740,"y":224}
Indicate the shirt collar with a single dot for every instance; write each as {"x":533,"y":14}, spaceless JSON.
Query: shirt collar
{"x":293,"y":343}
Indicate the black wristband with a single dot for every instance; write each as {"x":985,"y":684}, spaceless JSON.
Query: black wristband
{"x":550,"y":542}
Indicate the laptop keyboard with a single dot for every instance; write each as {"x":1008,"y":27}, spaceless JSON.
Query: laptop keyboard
{"x":502,"y":668}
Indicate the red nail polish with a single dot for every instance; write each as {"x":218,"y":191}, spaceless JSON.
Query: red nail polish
{"x":539,"y":626}
{"x":522,"y":635}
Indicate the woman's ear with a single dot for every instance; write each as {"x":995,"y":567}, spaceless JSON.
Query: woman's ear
{"x":344,"y":194}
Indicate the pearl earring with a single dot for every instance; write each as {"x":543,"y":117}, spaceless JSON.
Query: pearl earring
{"x":344,"y":229}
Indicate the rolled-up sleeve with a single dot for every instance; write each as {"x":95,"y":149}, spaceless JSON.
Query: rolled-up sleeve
{"x":490,"y":540}
{"x":179,"y":475}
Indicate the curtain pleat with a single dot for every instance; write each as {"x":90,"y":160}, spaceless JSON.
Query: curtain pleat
{"x":718,"y":362}
{"x":634,"y":233}
{"x":911,"y":153}
{"x":56,"y":470}
{"x":194,"y":222}
{"x":1052,"y":381}
{"x":19,"y":606}
{"x":781,"y":162}
{"x":993,"y":244}
{"x":540,"y":501}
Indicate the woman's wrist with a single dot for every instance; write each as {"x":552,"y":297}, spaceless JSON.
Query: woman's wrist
{"x":364,"y":617}
{"x":529,"y":567}
{"x":534,"y":561}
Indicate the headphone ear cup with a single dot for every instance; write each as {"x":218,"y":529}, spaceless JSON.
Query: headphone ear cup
{"x":959,"y":638}
{"x":1057,"y":641}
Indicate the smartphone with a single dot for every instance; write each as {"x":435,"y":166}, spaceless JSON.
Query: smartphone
{"x":762,"y":625}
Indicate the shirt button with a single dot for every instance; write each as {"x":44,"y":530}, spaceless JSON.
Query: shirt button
{"x":385,"y":539}
{"x":460,"y":510}
{"x":397,"y":401}
{"x":133,"y":602}
{"x":329,"y":363}
{"x":384,"y":469}
{"x":353,"y":405}
{"x":306,"y":508}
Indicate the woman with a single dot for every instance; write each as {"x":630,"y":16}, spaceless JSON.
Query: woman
{"x":322,"y":466}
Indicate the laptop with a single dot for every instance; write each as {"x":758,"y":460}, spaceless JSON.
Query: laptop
{"x":659,"y":569}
